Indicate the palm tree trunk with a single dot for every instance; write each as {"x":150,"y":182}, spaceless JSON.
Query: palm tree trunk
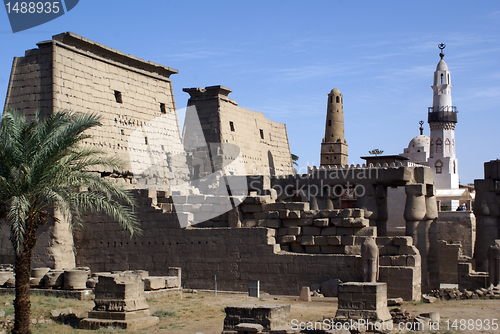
{"x":22,"y":303}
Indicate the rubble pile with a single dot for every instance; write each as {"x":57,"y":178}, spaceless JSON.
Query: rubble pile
{"x":456,"y":294}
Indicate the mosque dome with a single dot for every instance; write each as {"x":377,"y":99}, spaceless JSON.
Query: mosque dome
{"x":419,"y":142}
{"x":335,"y":90}
{"x":442,"y":66}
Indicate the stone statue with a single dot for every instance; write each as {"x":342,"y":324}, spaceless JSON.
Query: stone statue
{"x":369,"y":257}
{"x":494,"y":264}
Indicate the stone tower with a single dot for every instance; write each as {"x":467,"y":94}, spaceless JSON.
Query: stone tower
{"x":442,"y":117}
{"x":334,"y":147}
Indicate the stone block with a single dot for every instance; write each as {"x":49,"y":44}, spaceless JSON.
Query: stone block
{"x":321,"y":222}
{"x":334,"y":240}
{"x":273,"y":223}
{"x":385,"y":261}
{"x":370,"y":231}
{"x":286,"y":239}
{"x":352,"y":250}
{"x":39,"y":272}
{"x":271,"y":316}
{"x":129,"y":312}
{"x":261,"y":215}
{"x":172,"y":282}
{"x":75,"y":279}
{"x":389,"y":250}
{"x":355,"y":222}
{"x":310,"y":230}
{"x":249,"y":223}
{"x":332,"y":249}
{"x":336,"y":221}
{"x":344,"y":231}
{"x":399,"y":260}
{"x":363,"y":300}
{"x":294,"y":230}
{"x":307,"y":240}
{"x":357,"y":213}
{"x":137,"y":323}
{"x":283,"y":214}
{"x":347,"y":240}
{"x":36,"y":282}
{"x":403,"y":241}
{"x":385,"y":241}
{"x":321,"y":241}
{"x":413,"y":261}
{"x":297,"y":206}
{"x":305,"y":222}
{"x":313,"y":249}
{"x":273,"y":214}
{"x":282,"y":231}
{"x":291,"y":222}
{"x":54,"y":278}
{"x":329,"y":213}
{"x":345,"y":213}
{"x":297,"y":247}
{"x":309,"y":214}
{"x":408,"y":250}
{"x":273,"y":206}
{"x":328,"y":231}
{"x":248,"y":328}
{"x":305,"y":294}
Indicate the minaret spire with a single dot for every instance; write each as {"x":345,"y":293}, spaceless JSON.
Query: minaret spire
{"x":442,"y":118}
{"x":334,"y":147}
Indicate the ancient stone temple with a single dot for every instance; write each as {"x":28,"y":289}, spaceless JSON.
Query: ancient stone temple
{"x":334,"y":147}
{"x":263,"y":143}
{"x":73,"y":73}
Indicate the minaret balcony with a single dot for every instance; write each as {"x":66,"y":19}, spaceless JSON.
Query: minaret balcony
{"x":442,"y":114}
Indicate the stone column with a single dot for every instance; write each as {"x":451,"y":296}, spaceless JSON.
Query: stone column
{"x":329,"y":203}
{"x":383,"y":214}
{"x":431,"y":223}
{"x":487,"y":214}
{"x":494,"y":264}
{"x":313,"y":202}
{"x":368,"y":203}
{"x":416,"y":225}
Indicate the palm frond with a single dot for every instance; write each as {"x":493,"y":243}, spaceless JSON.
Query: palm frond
{"x":43,"y":165}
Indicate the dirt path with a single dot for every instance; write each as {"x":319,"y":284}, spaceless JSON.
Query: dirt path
{"x":203,"y":312}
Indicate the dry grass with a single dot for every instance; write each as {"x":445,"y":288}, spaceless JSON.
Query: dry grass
{"x":175,"y":312}
{"x":204,"y":312}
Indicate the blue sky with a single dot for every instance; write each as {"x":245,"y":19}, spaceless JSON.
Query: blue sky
{"x":283,"y":57}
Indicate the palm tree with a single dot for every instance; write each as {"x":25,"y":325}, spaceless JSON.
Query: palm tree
{"x":42,"y":168}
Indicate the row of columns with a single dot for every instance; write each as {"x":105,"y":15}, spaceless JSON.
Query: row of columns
{"x":420,"y":215}
{"x":487,"y":212}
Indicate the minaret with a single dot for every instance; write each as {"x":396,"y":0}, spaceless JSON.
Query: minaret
{"x":442,"y":117}
{"x":334,"y":147}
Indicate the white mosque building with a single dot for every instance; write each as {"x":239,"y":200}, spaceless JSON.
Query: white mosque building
{"x":437,"y":151}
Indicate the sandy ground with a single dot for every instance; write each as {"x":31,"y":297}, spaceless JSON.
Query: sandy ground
{"x":470,"y":315}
